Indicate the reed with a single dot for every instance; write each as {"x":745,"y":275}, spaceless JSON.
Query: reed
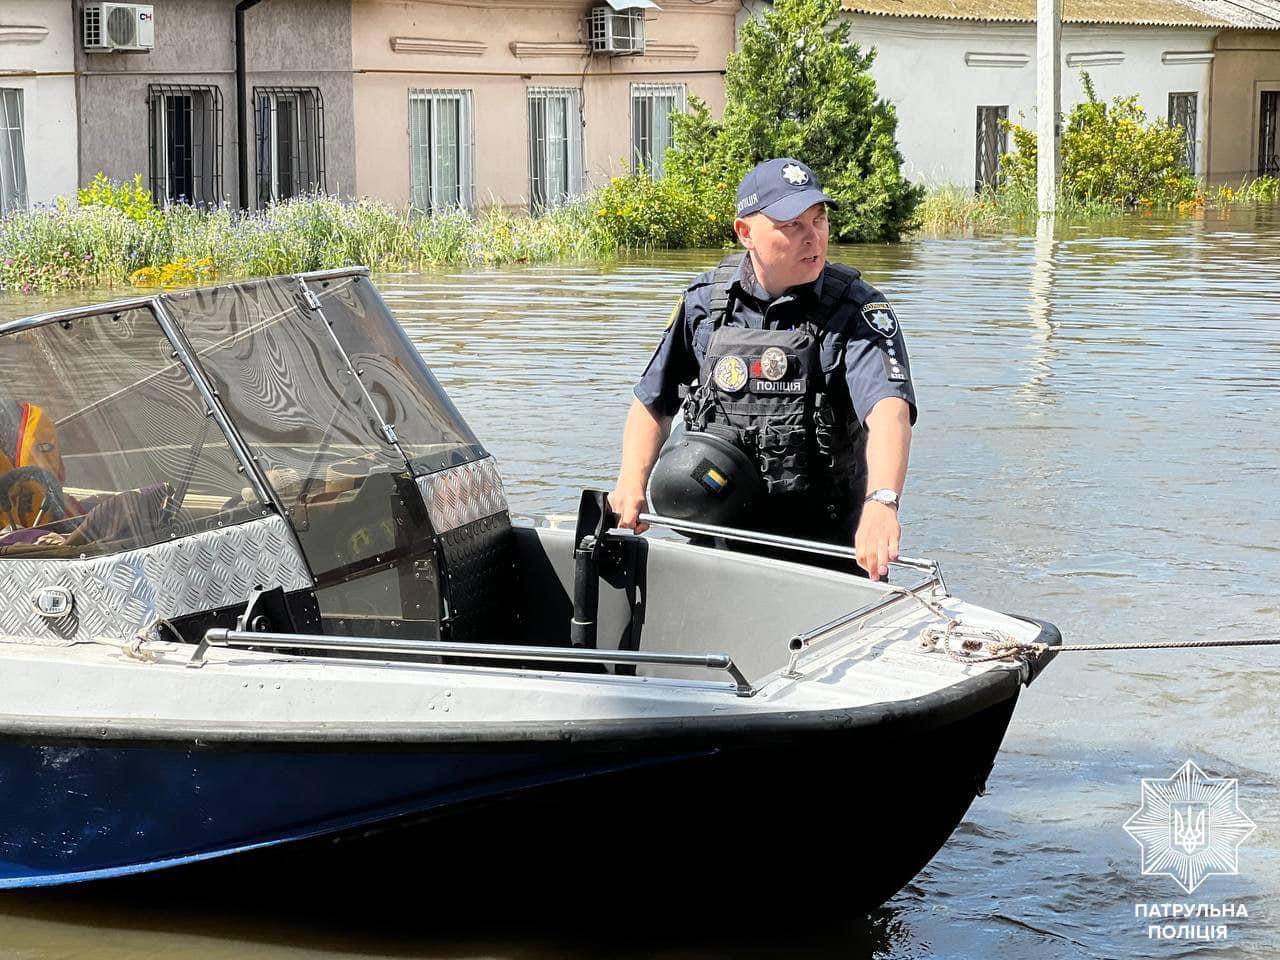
{"x":949,"y":208}
{"x":103,"y":242}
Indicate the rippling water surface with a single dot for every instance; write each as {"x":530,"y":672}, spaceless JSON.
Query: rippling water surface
{"x":1097,"y":445}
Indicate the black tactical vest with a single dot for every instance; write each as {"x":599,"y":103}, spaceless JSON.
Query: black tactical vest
{"x":805,"y":441}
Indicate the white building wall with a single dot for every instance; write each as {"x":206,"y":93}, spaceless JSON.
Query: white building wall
{"x":37,"y":51}
{"x":938,"y":72}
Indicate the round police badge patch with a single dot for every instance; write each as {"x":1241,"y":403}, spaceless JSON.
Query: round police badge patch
{"x":773,"y":363}
{"x":880,"y":317}
{"x":794,"y":175}
{"x":731,"y":374}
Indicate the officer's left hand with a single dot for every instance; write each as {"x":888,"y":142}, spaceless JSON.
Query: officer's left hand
{"x":876,"y":540}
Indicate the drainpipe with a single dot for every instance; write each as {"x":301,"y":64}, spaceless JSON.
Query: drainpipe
{"x":242,"y":117}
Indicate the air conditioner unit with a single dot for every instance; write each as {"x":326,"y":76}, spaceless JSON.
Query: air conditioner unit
{"x":112,"y":27}
{"x":616,"y":32}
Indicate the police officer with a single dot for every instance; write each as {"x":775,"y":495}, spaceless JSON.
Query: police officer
{"x":797,"y":359}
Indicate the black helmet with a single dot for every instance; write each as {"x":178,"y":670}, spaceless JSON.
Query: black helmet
{"x":706,"y":478}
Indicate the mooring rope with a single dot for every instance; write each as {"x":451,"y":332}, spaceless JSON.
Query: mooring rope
{"x":985,"y":645}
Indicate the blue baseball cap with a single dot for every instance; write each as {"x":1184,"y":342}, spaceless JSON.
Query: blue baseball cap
{"x":781,"y":189}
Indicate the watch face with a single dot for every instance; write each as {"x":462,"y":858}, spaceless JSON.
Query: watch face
{"x":884,"y":496}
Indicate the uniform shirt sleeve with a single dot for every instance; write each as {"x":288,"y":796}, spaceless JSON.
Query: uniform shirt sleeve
{"x":876,"y":364}
{"x":673,"y":364}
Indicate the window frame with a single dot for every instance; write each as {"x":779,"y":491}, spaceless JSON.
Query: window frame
{"x":205,"y":151}
{"x":644,"y":96}
{"x":425,"y":195}
{"x":308,"y":131}
{"x":540,"y":193}
{"x":1001,"y":112}
{"x":1189,"y":132}
{"x":15,"y":195}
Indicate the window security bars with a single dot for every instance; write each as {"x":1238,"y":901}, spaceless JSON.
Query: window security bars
{"x":993,"y":142}
{"x":1182,"y":113}
{"x":289,"y":132}
{"x":1268,"y":139}
{"x":13,"y":164}
{"x":555,"y":146}
{"x":441,"y":145}
{"x":652,"y":105}
{"x":184,"y":135}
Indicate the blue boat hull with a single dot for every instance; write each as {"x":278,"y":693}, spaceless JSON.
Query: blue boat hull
{"x":77,"y":811}
{"x":617,"y":809}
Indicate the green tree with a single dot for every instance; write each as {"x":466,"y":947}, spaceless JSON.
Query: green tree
{"x":1111,"y":153}
{"x":798,"y":87}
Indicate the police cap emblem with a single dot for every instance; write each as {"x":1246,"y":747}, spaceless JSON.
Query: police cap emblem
{"x":731,"y":373}
{"x":794,"y":174}
{"x":773,"y":363}
{"x":881,"y":319}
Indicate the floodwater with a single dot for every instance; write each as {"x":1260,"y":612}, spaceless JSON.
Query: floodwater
{"x":1097,"y":446}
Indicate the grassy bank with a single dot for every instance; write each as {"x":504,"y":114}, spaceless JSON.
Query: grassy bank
{"x":67,"y":246}
{"x":949,"y":208}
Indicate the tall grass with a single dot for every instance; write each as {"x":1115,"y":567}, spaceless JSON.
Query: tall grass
{"x":99,"y":244}
{"x":950,"y":208}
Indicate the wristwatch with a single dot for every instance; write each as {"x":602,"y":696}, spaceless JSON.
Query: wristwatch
{"x":884,"y":495}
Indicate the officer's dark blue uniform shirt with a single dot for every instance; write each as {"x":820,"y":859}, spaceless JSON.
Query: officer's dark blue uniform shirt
{"x":861,"y":339}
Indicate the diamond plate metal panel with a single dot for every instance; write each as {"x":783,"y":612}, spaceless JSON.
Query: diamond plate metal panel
{"x":116,"y":596}
{"x":461,"y":495}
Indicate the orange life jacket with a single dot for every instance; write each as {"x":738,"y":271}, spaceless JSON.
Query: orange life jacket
{"x":28,"y":438}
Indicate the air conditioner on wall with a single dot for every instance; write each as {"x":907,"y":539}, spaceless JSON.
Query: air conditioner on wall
{"x":117,"y":27}
{"x":614,"y":31}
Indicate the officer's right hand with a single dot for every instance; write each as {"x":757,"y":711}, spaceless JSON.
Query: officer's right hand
{"x":628,"y":505}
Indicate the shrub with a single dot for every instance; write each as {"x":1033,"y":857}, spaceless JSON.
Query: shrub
{"x":636,"y":211}
{"x":1110,"y":154}
{"x":130,"y":197}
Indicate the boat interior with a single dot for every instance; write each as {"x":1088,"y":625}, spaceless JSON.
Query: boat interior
{"x":129,"y":430}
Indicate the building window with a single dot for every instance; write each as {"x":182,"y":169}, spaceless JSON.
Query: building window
{"x":1268,"y":139}
{"x":186,"y":143}
{"x":555,"y":146}
{"x":440,"y":142}
{"x":993,"y":142}
{"x":13,"y":164}
{"x":652,"y":105}
{"x":1182,"y":113}
{"x":289,"y":127}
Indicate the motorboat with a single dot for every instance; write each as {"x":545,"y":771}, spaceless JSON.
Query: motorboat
{"x":263,"y":593}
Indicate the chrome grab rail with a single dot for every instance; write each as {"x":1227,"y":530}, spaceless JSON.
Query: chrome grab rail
{"x":235,"y":639}
{"x":789,"y":543}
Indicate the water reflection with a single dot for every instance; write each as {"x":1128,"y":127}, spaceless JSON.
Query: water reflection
{"x":1097,"y":445}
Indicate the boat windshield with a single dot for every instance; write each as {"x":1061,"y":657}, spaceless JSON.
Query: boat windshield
{"x":106,"y":442}
{"x":343,"y":415}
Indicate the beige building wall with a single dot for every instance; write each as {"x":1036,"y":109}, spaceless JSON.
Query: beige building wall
{"x":1245,"y":63}
{"x":497,"y":49}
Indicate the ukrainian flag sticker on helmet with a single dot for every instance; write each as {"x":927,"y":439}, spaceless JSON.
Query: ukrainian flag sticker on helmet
{"x":711,"y":478}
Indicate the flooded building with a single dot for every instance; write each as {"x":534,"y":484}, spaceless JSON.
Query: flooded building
{"x":1244,"y":140}
{"x":956,"y":68}
{"x":37,"y":102}
{"x":522,"y":103}
{"x":429,"y":103}
{"x":157,"y":96}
